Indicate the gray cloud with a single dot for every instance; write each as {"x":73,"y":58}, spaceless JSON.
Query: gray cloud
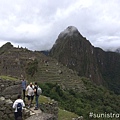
{"x":36,"y":24}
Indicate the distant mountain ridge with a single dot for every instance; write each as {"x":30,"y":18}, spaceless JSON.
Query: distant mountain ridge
{"x":117,"y":50}
{"x":77,"y":53}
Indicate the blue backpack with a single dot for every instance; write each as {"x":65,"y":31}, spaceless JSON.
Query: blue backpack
{"x":19,"y":107}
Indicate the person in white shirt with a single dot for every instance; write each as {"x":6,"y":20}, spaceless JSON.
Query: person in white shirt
{"x":30,"y":93}
{"x":18,"y":114}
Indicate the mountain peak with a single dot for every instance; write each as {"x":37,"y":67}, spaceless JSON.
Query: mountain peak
{"x":8,"y":45}
{"x":69,"y":31}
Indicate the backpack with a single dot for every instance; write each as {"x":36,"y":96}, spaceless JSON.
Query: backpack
{"x":39,"y":90}
{"x":19,"y":107}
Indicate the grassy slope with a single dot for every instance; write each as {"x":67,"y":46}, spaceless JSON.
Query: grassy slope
{"x":63,"y":114}
{"x":8,"y":78}
{"x":66,"y":115}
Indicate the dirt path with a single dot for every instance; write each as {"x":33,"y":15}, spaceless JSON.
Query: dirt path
{"x":35,"y":114}
{"x":38,"y":115}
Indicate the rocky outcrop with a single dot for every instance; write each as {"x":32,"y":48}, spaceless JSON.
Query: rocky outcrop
{"x":51,"y":108}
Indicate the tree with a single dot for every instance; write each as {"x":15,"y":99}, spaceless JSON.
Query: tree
{"x":32,"y":67}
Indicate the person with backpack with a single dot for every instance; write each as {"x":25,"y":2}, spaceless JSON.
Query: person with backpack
{"x":18,"y":106}
{"x":37,"y":91}
{"x":30,"y":94}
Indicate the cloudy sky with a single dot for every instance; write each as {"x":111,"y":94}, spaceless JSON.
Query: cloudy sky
{"x":36,"y":24}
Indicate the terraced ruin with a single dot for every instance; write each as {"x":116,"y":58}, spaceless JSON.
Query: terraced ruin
{"x":14,"y":62}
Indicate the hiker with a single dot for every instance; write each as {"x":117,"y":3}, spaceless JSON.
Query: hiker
{"x":23,"y":88}
{"x":18,"y":106}
{"x":30,"y":93}
{"x":37,"y":91}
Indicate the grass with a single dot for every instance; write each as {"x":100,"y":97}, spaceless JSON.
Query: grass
{"x":44,"y":99}
{"x":62,"y":114}
{"x":8,"y":78}
{"x":66,"y":115}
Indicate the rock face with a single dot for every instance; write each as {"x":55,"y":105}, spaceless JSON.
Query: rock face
{"x":74,"y":51}
{"x":77,"y":53}
{"x":109,"y":66}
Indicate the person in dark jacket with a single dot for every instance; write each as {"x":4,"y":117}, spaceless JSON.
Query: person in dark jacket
{"x":23,"y":88}
{"x":36,"y":96}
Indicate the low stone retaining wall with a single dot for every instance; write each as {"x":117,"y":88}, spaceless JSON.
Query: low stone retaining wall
{"x":6,"y":111}
{"x":4,"y":84}
{"x":51,"y":108}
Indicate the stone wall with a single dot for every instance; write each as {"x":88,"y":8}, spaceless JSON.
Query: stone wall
{"x":6,"y":111}
{"x":9,"y":88}
{"x":51,"y":108}
{"x":8,"y":94}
